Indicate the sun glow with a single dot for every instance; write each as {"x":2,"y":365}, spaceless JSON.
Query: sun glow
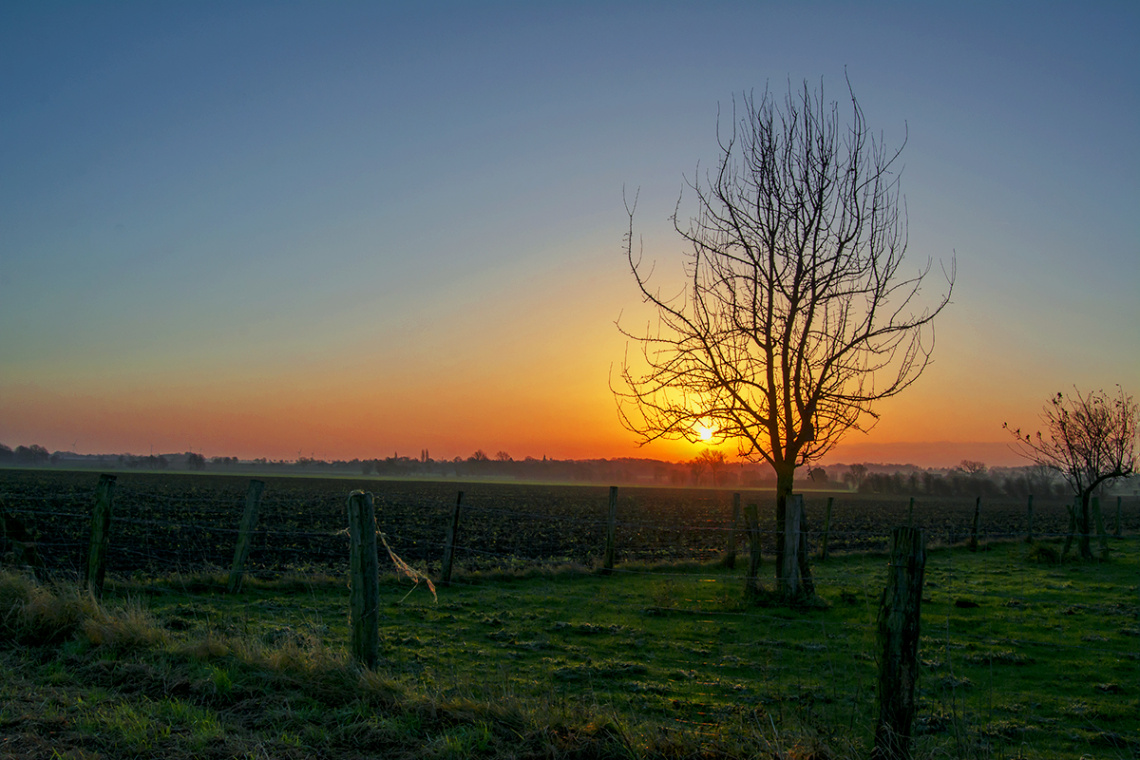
{"x":705,"y":432}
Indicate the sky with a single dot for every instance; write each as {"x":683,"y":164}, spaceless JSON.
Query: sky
{"x":350,"y":230}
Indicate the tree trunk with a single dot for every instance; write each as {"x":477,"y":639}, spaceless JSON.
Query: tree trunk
{"x":1085,"y":528}
{"x":1072,"y":509}
{"x":784,"y":478}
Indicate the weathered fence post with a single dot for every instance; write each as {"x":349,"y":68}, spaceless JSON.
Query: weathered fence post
{"x":1029,"y":521}
{"x":1073,"y":508}
{"x":823,"y":554}
{"x":365,"y":579}
{"x":730,"y":552}
{"x":449,"y":543}
{"x":100,"y":531}
{"x":1117,"y":531}
{"x":790,"y":575}
{"x":245,"y":534}
{"x":611,"y":530}
{"x":1101,"y":534}
{"x":752,"y":520}
{"x":974,"y":531}
{"x":898,"y":641}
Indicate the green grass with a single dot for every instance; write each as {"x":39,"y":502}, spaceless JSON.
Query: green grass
{"x":654,"y":661}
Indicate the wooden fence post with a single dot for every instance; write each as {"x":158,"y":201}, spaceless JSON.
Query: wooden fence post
{"x":611,"y":530}
{"x":1029,"y":521}
{"x":827,"y":529}
{"x":974,"y":531}
{"x":752,"y":520}
{"x":1117,"y":531}
{"x":365,"y":579}
{"x":449,"y":544}
{"x":245,"y":534}
{"x":1101,"y":534}
{"x":730,"y":552}
{"x":898,"y":641}
{"x":100,"y":532}
{"x":790,"y":576}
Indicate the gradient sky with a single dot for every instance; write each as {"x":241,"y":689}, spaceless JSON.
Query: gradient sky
{"x":353,"y":229}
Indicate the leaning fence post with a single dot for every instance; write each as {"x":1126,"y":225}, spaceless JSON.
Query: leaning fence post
{"x":823,"y":553}
{"x":974,"y":532}
{"x":611,"y":529}
{"x":245,"y":534}
{"x":730,"y":553}
{"x":449,"y":545}
{"x":898,"y":641}
{"x":365,"y":579}
{"x":790,"y":575}
{"x":1029,"y":521}
{"x":752,"y":520}
{"x":100,"y":531}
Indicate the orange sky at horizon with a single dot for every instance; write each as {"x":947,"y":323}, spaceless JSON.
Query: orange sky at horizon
{"x":354,"y":230}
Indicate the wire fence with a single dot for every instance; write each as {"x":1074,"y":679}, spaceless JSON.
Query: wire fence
{"x":171,"y":524}
{"x":187,"y":524}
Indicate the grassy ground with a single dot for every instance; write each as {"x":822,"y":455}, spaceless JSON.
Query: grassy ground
{"x":1023,"y":657}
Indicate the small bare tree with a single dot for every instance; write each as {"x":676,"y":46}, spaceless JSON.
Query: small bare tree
{"x":797,"y":315}
{"x":1088,"y":439}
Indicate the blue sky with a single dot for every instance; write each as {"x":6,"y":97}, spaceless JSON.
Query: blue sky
{"x":352,"y":228}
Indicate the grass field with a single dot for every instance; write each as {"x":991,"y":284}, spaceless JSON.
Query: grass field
{"x":654,"y":661}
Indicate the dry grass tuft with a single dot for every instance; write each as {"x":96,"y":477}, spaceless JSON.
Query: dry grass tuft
{"x":124,"y":629}
{"x":33,"y":613}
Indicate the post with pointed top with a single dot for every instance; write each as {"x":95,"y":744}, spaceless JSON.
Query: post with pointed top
{"x":449,"y":543}
{"x":898,"y":633}
{"x":611,"y":531}
{"x":245,"y":534}
{"x":100,"y":532}
{"x":365,"y":579}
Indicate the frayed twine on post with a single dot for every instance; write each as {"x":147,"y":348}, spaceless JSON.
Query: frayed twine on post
{"x":403,"y":568}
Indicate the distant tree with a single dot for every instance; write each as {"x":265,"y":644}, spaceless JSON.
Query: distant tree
{"x":6,"y":454}
{"x":34,"y":454}
{"x":195,"y":461}
{"x":503,"y":456}
{"x":855,"y":476}
{"x":817,"y":475}
{"x":1089,"y":439}
{"x":972,"y":468}
{"x":709,"y":460}
{"x":478,"y":456}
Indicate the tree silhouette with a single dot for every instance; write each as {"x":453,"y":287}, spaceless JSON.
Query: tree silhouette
{"x":797,"y":314}
{"x":1088,"y":439}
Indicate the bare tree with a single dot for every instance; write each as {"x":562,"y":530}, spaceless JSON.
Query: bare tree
{"x":712,"y":460}
{"x":1088,"y":439}
{"x":797,"y":314}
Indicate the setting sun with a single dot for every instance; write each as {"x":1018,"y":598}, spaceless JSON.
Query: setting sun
{"x":705,"y":433}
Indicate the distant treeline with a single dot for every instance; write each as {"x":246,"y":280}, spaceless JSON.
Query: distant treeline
{"x":968,"y":479}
